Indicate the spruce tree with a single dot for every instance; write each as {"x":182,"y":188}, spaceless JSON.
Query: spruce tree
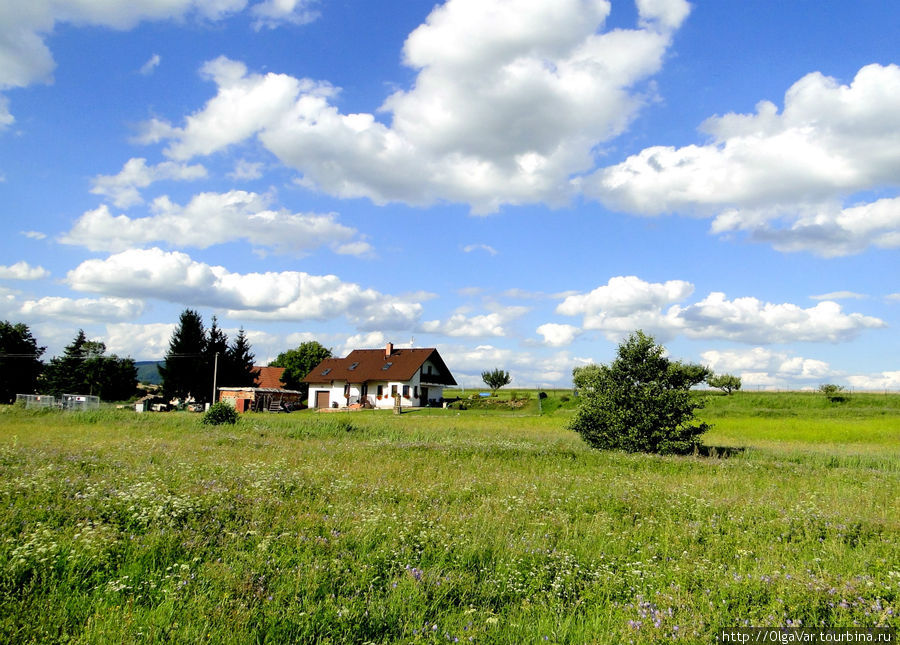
{"x":185,"y":371}
{"x":240,"y":362}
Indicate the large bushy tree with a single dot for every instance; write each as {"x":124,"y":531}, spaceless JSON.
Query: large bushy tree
{"x":640,"y":402}
{"x":299,"y":362}
{"x":85,"y":368}
{"x":186,"y":370}
{"x":20,"y":361}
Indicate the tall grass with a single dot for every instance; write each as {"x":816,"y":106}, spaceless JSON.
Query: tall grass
{"x":438,"y":525}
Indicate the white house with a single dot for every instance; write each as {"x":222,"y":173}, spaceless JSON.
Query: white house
{"x":372,"y":378}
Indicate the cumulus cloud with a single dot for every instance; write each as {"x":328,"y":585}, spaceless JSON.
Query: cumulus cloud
{"x":510,"y":117}
{"x":628,"y":303}
{"x":882,"y":381}
{"x":558,"y":335}
{"x":22,"y":271}
{"x":122,"y":189}
{"x":82,"y":310}
{"x":284,"y":296}
{"x":142,"y":341}
{"x":782,"y":178}
{"x":215,"y":218}
{"x":762,"y":366}
{"x":462,"y":325}
{"x":33,"y":235}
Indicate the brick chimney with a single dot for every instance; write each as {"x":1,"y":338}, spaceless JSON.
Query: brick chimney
{"x":388,"y":350}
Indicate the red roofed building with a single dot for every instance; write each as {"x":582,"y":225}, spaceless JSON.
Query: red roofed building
{"x":269,"y":393}
{"x":373,"y":377}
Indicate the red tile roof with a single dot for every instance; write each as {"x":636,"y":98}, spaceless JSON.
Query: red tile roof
{"x":270,"y":377}
{"x":366,"y":365}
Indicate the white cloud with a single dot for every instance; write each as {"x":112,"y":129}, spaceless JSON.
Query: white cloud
{"x":557,"y":335}
{"x":82,"y":310}
{"x":273,"y":13}
{"x":122,"y":189}
{"x":629,"y":303}
{"x":22,"y":271}
{"x":782,"y":177}
{"x":246,"y":170}
{"x":525,"y":368}
{"x":142,"y":341}
{"x":840,"y":295}
{"x":882,"y":381}
{"x":151,"y":64}
{"x":34,"y":235}
{"x":215,"y":218}
{"x":762,"y":366}
{"x":25,"y":58}
{"x":508,"y":118}
{"x":490,"y":250}
{"x":461,"y":325}
{"x":284,"y":296}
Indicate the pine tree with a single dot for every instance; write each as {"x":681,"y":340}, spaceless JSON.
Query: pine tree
{"x":185,"y":370}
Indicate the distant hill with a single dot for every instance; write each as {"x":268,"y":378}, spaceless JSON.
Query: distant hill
{"x":148,"y":372}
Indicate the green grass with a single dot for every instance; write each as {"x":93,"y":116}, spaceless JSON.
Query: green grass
{"x":500,"y":527}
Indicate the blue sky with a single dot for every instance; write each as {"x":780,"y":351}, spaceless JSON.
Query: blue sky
{"x":518,"y":183}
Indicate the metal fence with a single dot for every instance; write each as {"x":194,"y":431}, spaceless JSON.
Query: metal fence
{"x":36,"y":401}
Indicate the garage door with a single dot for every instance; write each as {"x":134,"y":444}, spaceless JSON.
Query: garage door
{"x":322,"y":399}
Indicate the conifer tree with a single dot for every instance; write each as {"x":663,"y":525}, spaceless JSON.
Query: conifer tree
{"x":185,"y":370}
{"x":20,"y":361}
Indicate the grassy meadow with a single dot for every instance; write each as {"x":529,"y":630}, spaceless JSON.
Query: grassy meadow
{"x":443,"y":526}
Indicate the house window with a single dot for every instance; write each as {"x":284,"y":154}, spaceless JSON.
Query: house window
{"x":325,"y":371}
{"x":393,"y":390}
{"x":406,"y":391}
{"x":380,"y":390}
{"x":353,"y":366}
{"x":387,"y":366}
{"x":416,"y":392}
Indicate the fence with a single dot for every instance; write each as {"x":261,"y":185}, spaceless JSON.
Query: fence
{"x":80,"y":402}
{"x":36,"y":401}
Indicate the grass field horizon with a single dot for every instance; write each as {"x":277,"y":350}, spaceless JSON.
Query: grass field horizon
{"x":446,"y":526}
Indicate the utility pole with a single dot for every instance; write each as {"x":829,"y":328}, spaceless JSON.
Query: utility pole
{"x":215,"y":374}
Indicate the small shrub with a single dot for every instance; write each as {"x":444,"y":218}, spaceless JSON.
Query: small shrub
{"x":220,"y":414}
{"x":832,"y":392}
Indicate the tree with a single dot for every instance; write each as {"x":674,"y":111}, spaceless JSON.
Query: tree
{"x":20,"y":361}
{"x":84,"y":368}
{"x":640,"y":402}
{"x":239,"y":363}
{"x":728,"y":383}
{"x":834,"y":393}
{"x":299,"y":362}
{"x":495,"y":379}
{"x":186,"y":371}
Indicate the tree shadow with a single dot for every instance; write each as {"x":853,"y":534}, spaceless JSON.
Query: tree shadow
{"x":718,"y":452}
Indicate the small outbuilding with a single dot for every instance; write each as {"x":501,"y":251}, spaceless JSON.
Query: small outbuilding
{"x":374,"y":378}
{"x":267,"y":394}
